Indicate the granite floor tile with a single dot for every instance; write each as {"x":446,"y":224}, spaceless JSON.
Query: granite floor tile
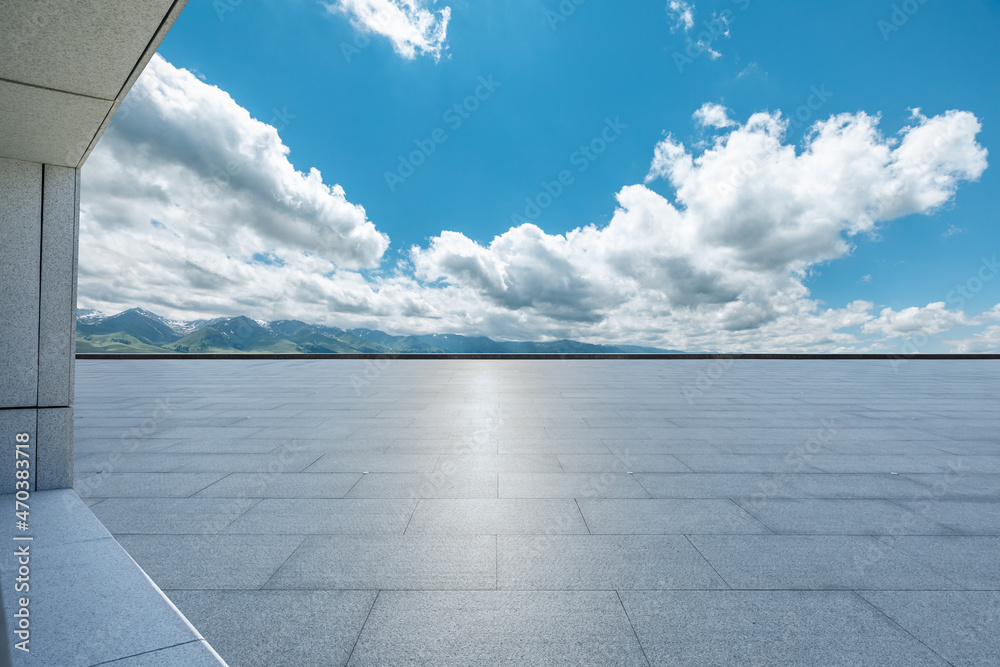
{"x":374,"y":462}
{"x":658,"y":447}
{"x":437,"y":484}
{"x":190,"y":654}
{"x":410,"y":562}
{"x":108,"y":462}
{"x":497,"y":516}
{"x":963,"y":485}
{"x":752,"y":463}
{"x":498,"y":629}
{"x":513,"y":475}
{"x":549,"y":445}
{"x":960,"y":626}
{"x":570,"y":485}
{"x":882,"y":463}
{"x":859,"y":485}
{"x":282,"y":485}
{"x":785,"y":562}
{"x":768,"y":628}
{"x":716,"y":485}
{"x":493,"y":463}
{"x":970,"y":561}
{"x":225,"y":446}
{"x":441,"y":446}
{"x":214,"y":562}
{"x":277,"y":461}
{"x":144,"y":485}
{"x":340,"y":516}
{"x":170,"y":516}
{"x":834,"y":516}
{"x":624,"y":463}
{"x":278,"y":628}
{"x":655,"y":516}
{"x":602,"y":562}
{"x":967,"y":517}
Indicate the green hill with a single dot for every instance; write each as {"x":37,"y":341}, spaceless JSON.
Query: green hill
{"x":398,"y":344}
{"x":138,"y":330}
{"x":116,"y":342}
{"x":141,"y":324}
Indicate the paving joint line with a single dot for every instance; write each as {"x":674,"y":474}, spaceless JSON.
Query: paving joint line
{"x":284,"y":562}
{"x":580,"y":510}
{"x":894,"y":622}
{"x":362,"y":629}
{"x":688,"y":538}
{"x":632,"y":625}
{"x":155,"y":650}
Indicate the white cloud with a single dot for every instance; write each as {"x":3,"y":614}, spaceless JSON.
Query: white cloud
{"x":991,"y":315}
{"x":931,"y":320}
{"x":668,"y":155}
{"x":682,"y":13}
{"x":187,"y":188}
{"x":713,"y":115}
{"x":985,"y":341}
{"x":413,"y":27}
{"x":752,"y":217}
{"x":752,"y":68}
{"x":705,"y":46}
{"x":191,"y":208}
{"x":951,"y":231}
{"x":723,"y":21}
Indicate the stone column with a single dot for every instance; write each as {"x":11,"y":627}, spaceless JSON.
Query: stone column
{"x":39,"y":228}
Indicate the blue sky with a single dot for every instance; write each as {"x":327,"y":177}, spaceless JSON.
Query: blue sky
{"x":350,"y":102}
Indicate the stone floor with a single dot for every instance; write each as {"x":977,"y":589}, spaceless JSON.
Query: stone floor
{"x":461,"y":512}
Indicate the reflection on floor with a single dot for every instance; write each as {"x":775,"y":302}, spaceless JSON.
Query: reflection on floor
{"x":461,"y":512}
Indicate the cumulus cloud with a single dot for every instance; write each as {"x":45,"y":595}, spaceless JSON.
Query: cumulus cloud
{"x":682,"y":14}
{"x":987,"y":340}
{"x":412,"y":26}
{"x":191,"y":208}
{"x":929,"y":321}
{"x":751,"y":217}
{"x":991,"y":315}
{"x":713,"y":115}
{"x":186,"y":183}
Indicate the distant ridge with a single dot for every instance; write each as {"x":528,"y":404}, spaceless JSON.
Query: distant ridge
{"x":140,"y":331}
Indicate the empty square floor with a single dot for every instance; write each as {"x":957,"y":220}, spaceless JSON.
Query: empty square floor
{"x":558,"y":512}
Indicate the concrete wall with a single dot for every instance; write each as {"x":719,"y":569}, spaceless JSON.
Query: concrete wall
{"x":39,"y":227}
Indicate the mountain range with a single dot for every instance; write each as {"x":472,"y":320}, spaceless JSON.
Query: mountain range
{"x":140,"y":331}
